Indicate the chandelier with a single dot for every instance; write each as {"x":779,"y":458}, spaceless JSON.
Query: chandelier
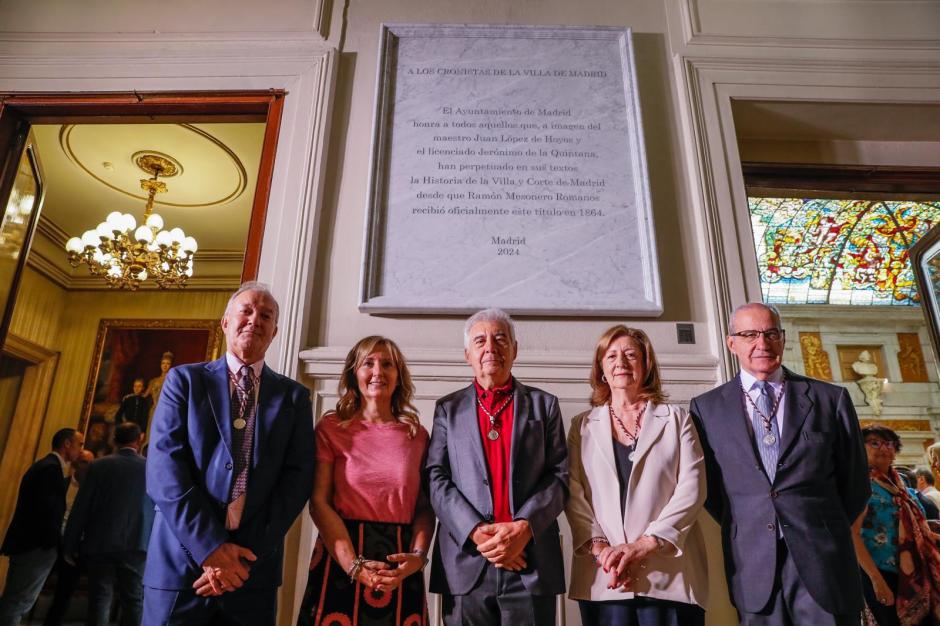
{"x":125,"y":254}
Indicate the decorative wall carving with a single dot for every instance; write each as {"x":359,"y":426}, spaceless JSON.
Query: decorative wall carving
{"x":911,"y":359}
{"x":816,"y":362}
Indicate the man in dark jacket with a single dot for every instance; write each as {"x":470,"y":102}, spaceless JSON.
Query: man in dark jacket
{"x":109,"y":527}
{"x":32,"y":540}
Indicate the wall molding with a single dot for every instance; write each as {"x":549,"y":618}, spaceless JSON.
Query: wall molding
{"x":707,"y":86}
{"x":561,"y":367}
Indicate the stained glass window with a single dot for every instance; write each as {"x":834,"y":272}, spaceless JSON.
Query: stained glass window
{"x":819,"y":251}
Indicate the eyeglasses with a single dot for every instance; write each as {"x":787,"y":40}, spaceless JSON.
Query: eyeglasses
{"x":750,"y":336}
{"x":878,"y":444}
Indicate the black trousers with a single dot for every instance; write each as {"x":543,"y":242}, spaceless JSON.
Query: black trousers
{"x":884,"y":615}
{"x":499,"y":599}
{"x":641,"y":611}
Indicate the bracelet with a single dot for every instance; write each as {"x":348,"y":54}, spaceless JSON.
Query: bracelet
{"x":355,"y":568}
{"x":422,"y":554}
{"x":597,"y":540}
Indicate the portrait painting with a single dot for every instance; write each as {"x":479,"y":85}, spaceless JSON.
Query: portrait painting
{"x":129,"y":366}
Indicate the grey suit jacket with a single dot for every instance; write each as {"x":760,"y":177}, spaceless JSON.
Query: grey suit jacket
{"x":461,"y":496}
{"x":112,"y":512}
{"x":821,"y":486}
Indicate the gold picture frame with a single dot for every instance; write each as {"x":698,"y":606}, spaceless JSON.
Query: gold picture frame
{"x":129,"y":349}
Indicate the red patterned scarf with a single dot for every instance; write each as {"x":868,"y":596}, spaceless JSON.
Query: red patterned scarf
{"x":918,"y":592}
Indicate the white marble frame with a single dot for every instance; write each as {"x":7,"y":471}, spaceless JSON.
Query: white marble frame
{"x":370,"y":276}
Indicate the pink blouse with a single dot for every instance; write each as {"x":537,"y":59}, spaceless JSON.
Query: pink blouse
{"x":376,"y":468}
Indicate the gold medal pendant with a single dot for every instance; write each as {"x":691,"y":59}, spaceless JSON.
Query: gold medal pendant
{"x":239,"y":423}
{"x":492,"y":435}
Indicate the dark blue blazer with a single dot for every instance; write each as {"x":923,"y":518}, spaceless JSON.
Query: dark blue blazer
{"x":461,"y":496}
{"x":112,"y":513}
{"x":190,"y":473}
{"x":40,"y":507}
{"x":821,"y":486}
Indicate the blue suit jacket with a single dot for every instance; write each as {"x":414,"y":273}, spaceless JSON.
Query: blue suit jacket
{"x":190,"y":473}
{"x":820,"y":487}
{"x":112,"y":513}
{"x":461,"y":496}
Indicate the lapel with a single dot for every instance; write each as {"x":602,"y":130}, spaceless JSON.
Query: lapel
{"x":601,"y":472}
{"x":467,"y":429}
{"x":654,"y":421}
{"x":270,"y":399}
{"x":737,"y":423}
{"x":799,"y":404}
{"x":521,"y":414}
{"x":220,"y":401}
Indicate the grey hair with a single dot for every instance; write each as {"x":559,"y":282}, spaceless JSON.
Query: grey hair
{"x":774,"y":313}
{"x":933,"y":455}
{"x":488,"y":315}
{"x":253,"y":285}
{"x":925,"y":473}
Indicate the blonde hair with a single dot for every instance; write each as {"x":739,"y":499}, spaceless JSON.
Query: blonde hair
{"x":651,"y":388}
{"x":350,"y":399}
{"x":933,"y":456}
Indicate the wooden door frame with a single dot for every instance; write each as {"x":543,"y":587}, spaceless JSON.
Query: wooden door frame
{"x":149,"y":107}
{"x":23,"y":444}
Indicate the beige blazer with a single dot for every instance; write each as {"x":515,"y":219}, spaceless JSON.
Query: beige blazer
{"x":664,"y":498}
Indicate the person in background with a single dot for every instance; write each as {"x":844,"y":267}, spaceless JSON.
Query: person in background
{"x":67,"y":574}
{"x":637,"y":487}
{"x":498,"y":472}
{"x":109,"y":528}
{"x":32,"y":539}
{"x":369,"y":502}
{"x":896,"y":550}
{"x":926,"y":506}
{"x":925,"y":485}
{"x":135,"y":407}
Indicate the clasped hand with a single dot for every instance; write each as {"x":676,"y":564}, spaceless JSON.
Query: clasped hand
{"x":618,"y":561}
{"x":225,"y":569}
{"x":383,"y":577}
{"x":503,"y":543}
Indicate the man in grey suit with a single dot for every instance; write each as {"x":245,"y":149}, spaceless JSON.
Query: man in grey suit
{"x":787,"y":476}
{"x":498,"y":471}
{"x":109,"y":528}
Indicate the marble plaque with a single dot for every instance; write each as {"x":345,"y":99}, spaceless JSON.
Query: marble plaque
{"x":508,"y":170}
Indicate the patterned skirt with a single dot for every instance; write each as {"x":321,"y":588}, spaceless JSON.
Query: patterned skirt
{"x":332,"y":600}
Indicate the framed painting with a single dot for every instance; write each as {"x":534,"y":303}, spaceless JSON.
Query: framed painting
{"x":128,"y":368}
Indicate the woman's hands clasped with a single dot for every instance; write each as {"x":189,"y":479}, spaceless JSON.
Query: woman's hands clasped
{"x":621,"y":560}
{"x":384,"y":577}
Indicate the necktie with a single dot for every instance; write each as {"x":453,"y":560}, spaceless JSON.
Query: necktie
{"x":243,"y":414}
{"x":768,"y":442}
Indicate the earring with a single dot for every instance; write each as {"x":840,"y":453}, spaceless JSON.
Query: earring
{"x":603,"y":378}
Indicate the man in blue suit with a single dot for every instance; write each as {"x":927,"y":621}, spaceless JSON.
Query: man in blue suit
{"x":230,"y":465}
{"x":787,"y":476}
{"x":109,"y":528}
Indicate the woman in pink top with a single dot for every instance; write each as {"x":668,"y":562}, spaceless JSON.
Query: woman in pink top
{"x":369,"y":502}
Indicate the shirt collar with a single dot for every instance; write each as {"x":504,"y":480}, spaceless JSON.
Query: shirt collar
{"x":65,"y":466}
{"x":235,"y":364}
{"x":775,"y":379}
{"x":494,"y":393}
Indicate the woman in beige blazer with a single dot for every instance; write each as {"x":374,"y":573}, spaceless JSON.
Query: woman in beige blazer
{"x":637,"y":487}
